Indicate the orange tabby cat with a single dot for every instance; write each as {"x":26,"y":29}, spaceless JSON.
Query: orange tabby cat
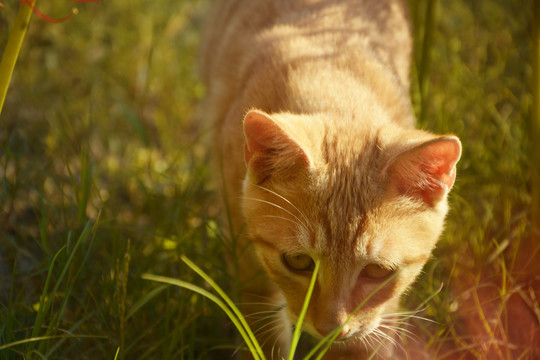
{"x":321,"y":161}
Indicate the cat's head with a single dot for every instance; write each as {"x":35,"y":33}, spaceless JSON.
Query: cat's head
{"x":367,"y":203}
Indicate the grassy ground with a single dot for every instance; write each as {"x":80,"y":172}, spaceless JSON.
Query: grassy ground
{"x":104,"y":176}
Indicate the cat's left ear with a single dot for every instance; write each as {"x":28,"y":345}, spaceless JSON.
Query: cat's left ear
{"x":269,"y":150}
{"x":428,"y":170}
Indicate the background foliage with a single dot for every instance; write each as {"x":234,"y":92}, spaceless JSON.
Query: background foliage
{"x":104,"y":175}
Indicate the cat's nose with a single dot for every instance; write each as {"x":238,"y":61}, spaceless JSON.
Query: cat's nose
{"x":344,"y":331}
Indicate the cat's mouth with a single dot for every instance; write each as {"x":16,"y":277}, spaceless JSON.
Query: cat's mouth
{"x":353,"y":334}
{"x":347,"y":337}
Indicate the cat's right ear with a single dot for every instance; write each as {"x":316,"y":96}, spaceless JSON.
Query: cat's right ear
{"x":269,"y":150}
{"x":428,"y":170}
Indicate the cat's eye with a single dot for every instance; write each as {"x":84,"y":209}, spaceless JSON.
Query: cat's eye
{"x":374,"y":271}
{"x":298,"y":261}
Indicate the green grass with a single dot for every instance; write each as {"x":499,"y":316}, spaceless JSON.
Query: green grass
{"x":104,"y":176}
{"x":223,"y":301}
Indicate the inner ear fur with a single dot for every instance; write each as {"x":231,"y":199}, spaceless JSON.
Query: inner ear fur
{"x":426,"y":171}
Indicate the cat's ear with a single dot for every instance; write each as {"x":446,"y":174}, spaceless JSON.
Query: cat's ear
{"x":428,"y":170}
{"x":269,"y":149}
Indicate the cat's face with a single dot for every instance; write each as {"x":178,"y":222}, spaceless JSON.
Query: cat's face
{"x":389,"y":243}
{"x":371,"y":219}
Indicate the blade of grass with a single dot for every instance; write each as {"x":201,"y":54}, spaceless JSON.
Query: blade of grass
{"x":50,"y":337}
{"x":224,"y":296}
{"x":59,"y":314}
{"x":51,"y":351}
{"x":6,"y":328}
{"x":41,"y":356}
{"x":82,"y":191}
{"x":120,"y":295}
{"x":86,"y":182}
{"x":11,"y":52}
{"x":257,"y":353}
{"x":42,"y":225}
{"x":233,"y":236}
{"x":486,"y":323}
{"x":425,"y":59}
{"x":142,"y":301}
{"x":47,"y":300}
{"x":302,"y":315}
{"x":136,"y":123}
{"x":429,"y":298}
{"x":42,"y":308}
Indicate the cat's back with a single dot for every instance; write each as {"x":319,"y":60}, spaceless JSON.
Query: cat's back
{"x":237,"y":30}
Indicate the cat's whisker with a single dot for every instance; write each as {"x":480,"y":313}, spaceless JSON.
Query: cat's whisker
{"x":403,"y":322}
{"x":268,"y":332}
{"x":386,"y":340}
{"x":267,"y":336}
{"x":267,"y":304}
{"x":399,"y":330}
{"x":403,"y":316}
{"x":261,"y":315}
{"x":253,"y":308}
{"x":367,"y":342}
{"x":391,"y":339}
{"x":423,"y":319}
{"x":283,"y":218}
{"x":393,"y":321}
{"x":274,"y":349}
{"x":271,"y":324}
{"x":264,"y":317}
{"x":237,"y":350}
{"x":379,"y":335}
{"x":279,"y":350}
{"x":398,"y":324}
{"x":300,"y":222}
{"x":275,"y":325}
{"x":269,"y":299}
{"x":286,"y":200}
{"x":402,"y":333}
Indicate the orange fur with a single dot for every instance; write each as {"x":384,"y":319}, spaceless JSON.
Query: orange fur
{"x":319,"y":156}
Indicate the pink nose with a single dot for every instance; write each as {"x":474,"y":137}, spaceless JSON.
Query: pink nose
{"x":344,"y":331}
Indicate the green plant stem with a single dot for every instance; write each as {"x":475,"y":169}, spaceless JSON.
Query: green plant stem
{"x":302,"y":315}
{"x":42,"y":338}
{"x":425,"y":61}
{"x":12,"y":49}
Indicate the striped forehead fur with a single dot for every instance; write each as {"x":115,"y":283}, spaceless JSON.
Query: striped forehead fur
{"x":347,"y":187}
